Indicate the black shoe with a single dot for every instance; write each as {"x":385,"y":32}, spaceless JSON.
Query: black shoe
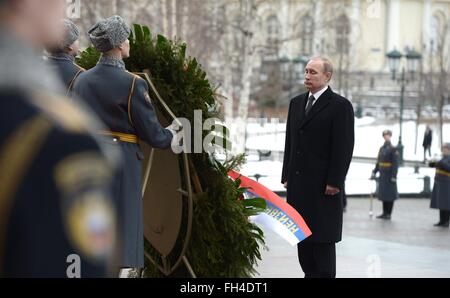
{"x":442,"y":224}
{"x":384,"y":216}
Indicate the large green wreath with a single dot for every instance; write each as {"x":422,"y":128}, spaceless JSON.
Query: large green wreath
{"x":224,"y":242}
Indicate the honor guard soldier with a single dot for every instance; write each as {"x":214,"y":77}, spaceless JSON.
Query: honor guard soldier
{"x":440,"y":199}
{"x":56,"y":214}
{"x":122,"y":102}
{"x":62,"y":56}
{"x":387,"y":165}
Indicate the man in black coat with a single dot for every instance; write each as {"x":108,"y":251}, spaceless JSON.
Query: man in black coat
{"x":427,"y":140}
{"x":318,"y":151}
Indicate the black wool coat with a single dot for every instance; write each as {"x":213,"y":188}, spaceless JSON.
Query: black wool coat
{"x":318,"y":152}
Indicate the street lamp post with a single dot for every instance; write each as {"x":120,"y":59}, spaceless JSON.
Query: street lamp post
{"x":394,"y":59}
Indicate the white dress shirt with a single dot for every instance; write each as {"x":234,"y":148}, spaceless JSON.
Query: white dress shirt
{"x":318,"y":94}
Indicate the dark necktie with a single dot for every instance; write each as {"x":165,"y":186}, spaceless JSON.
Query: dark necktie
{"x":309,"y":105}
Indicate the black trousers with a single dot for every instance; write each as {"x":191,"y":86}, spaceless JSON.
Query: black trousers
{"x":318,"y":260}
{"x":387,"y":208}
{"x":444,"y":216}
{"x":425,"y":149}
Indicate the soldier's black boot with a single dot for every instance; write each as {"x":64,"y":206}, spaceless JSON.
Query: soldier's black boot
{"x":384,"y":216}
{"x":444,"y":219}
{"x":387,"y":209}
{"x":384,"y":212}
{"x":442,"y":224}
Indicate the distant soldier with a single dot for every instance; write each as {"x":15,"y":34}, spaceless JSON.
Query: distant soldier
{"x":440,"y":198}
{"x":62,"y":56}
{"x":387,"y":165}
{"x":122,"y":101}
{"x":56,"y":215}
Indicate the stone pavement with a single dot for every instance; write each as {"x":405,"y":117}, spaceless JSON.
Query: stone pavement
{"x":407,"y":246}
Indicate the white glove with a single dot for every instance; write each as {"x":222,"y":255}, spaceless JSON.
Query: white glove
{"x":172,"y":131}
{"x":174,"y":127}
{"x":177,"y":141}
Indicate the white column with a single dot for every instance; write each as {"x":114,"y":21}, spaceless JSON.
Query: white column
{"x":286,"y":30}
{"x":318,"y":32}
{"x":174,"y":18}
{"x":164,"y":17}
{"x":426,"y":23}
{"x":393,"y":26}
{"x":354,"y":27}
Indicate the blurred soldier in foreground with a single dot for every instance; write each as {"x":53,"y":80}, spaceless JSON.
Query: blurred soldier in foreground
{"x":62,"y":56}
{"x":56,"y":217}
{"x":440,"y":198}
{"x":387,"y":165}
{"x":121,"y":100}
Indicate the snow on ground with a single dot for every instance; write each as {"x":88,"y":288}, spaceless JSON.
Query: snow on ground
{"x":368,"y":138}
{"x":358,"y":181}
{"x":270,"y":135}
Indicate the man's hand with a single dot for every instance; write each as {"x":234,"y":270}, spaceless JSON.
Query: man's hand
{"x":285,"y":185}
{"x":331,"y":190}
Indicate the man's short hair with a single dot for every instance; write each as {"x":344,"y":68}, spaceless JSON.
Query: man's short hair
{"x":387,"y":132}
{"x":327,"y":65}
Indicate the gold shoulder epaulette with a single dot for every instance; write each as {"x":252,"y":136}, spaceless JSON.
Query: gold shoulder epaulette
{"x":64,"y":112}
{"x":134,"y":75}
{"x":79,"y":67}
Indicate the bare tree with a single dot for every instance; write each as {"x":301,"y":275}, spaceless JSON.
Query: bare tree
{"x":441,"y":78}
{"x":423,"y":82}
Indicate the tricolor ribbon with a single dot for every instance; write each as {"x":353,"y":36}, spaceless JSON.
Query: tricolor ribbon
{"x":279,"y":216}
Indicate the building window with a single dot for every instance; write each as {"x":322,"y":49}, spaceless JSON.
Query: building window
{"x":436,"y":31}
{"x":273,"y":31}
{"x":306,"y":35}
{"x":342,"y":35}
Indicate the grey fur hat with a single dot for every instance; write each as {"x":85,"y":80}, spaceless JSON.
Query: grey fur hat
{"x":109,"y":33}
{"x":72,"y":33}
